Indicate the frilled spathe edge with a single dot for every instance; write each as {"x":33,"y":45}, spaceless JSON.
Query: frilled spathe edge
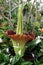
{"x":24,"y":37}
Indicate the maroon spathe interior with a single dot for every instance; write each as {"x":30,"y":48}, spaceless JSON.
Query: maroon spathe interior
{"x":24,"y":37}
{"x":10,"y":32}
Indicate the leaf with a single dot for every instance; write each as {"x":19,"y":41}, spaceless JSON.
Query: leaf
{"x":15,"y":60}
{"x":2,"y":64}
{"x":26,"y":63}
{"x":6,"y":58}
{"x":1,"y":56}
{"x":1,"y":33}
{"x":41,"y":64}
{"x":36,"y":62}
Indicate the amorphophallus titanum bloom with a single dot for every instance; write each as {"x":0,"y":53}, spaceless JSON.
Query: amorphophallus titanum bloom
{"x":19,"y":38}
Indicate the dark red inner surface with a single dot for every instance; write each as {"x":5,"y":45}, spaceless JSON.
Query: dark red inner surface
{"x":26,"y":36}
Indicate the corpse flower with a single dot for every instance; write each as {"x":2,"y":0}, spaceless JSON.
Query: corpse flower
{"x":19,"y":38}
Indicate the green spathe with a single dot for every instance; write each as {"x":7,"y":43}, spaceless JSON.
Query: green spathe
{"x":19,"y":47}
